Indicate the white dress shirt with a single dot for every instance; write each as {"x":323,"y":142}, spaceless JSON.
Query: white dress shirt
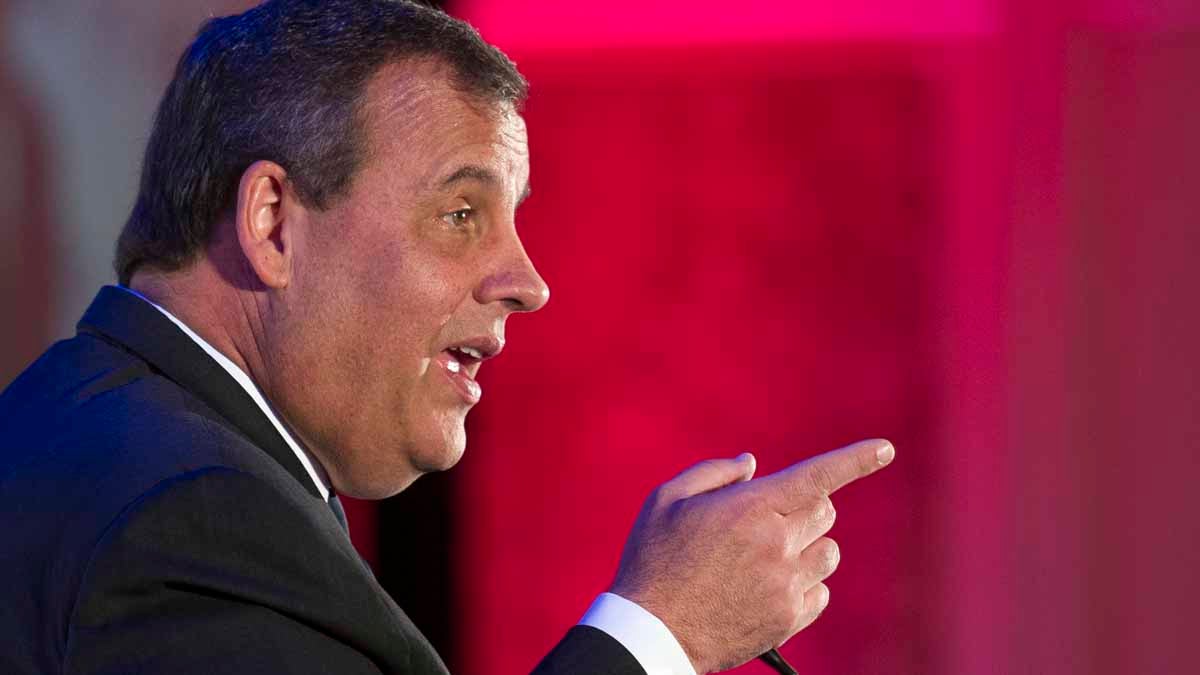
{"x":641,"y":633}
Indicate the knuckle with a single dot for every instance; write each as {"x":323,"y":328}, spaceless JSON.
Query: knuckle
{"x":824,"y":514}
{"x":820,"y":598}
{"x":795,"y":591}
{"x":828,"y":555}
{"x":663,"y":495}
{"x":793,"y":610}
{"x":793,"y":549}
{"x":815,"y":602}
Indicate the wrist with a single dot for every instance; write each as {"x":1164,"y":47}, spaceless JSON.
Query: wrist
{"x":680,"y":628}
{"x":641,"y":632}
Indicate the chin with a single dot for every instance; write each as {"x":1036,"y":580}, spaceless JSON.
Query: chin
{"x":441,"y":453}
{"x":389,"y":467}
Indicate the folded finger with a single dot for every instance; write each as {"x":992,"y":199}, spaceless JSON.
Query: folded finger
{"x":816,"y":599}
{"x":817,"y":562}
{"x":811,"y":521}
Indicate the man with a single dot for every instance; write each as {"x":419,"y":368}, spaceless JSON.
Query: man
{"x":322,"y":253}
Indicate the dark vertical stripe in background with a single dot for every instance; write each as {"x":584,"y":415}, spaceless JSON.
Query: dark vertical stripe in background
{"x":414,"y":558}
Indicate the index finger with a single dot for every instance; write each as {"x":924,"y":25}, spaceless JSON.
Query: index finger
{"x":826,"y":473}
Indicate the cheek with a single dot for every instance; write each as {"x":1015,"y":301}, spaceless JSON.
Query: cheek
{"x":420,"y":291}
{"x":387,"y":298}
{"x":399,"y":327}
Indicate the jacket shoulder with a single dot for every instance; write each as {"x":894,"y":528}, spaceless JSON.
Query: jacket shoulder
{"x":215,"y":569}
{"x":89,"y":410}
{"x":85,"y":431}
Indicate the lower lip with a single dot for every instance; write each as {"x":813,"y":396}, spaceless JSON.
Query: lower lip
{"x":468,"y":388}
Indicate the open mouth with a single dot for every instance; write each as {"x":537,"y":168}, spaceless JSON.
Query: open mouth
{"x":462,"y":359}
{"x":461,"y":363}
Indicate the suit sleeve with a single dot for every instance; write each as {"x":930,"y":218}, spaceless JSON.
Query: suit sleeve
{"x":216,"y":571}
{"x":588,"y":651}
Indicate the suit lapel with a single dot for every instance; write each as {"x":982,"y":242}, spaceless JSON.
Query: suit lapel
{"x":130,"y":323}
{"x":133,"y":324}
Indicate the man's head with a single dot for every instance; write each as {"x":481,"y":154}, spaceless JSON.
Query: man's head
{"x":336,"y":183}
{"x":284,"y":82}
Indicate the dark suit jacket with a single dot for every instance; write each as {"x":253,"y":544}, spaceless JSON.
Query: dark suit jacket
{"x":155,"y":522}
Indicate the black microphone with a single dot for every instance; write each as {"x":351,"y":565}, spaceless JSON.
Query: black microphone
{"x":773,"y":659}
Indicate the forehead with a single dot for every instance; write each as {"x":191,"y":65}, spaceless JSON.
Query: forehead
{"x":421,"y":127}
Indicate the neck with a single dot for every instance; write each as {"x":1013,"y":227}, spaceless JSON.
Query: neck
{"x":217,"y":314}
{"x":213,"y":309}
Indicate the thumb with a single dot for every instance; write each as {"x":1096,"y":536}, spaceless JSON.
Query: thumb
{"x":710,"y":475}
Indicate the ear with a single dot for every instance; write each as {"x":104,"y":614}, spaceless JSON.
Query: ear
{"x":265,"y":221}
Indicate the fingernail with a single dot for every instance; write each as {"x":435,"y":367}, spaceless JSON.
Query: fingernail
{"x":885,"y":453}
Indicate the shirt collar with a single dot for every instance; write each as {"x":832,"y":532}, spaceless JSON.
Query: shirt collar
{"x":311,"y":465}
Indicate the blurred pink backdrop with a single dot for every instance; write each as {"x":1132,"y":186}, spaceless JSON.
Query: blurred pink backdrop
{"x":967,"y":226}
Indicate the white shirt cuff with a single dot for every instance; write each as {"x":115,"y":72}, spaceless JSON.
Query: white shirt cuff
{"x":641,"y":633}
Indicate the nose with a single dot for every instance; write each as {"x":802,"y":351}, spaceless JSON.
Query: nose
{"x":514,"y":282}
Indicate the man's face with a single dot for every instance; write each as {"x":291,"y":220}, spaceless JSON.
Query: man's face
{"x":402,"y":287}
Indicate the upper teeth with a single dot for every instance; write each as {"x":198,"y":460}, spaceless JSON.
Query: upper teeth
{"x":474,"y":353}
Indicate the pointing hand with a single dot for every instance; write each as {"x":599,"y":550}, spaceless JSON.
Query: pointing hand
{"x":735,"y":566}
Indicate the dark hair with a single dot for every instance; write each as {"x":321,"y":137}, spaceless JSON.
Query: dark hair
{"x":284,"y":82}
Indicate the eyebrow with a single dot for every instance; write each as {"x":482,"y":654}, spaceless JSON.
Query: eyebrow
{"x":482,"y":175}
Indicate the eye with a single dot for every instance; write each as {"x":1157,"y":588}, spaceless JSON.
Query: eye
{"x":460,"y":219}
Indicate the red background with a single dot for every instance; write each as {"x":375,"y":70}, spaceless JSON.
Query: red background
{"x":965,"y":227}
{"x":744,"y":268}
{"x":968,"y":226}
